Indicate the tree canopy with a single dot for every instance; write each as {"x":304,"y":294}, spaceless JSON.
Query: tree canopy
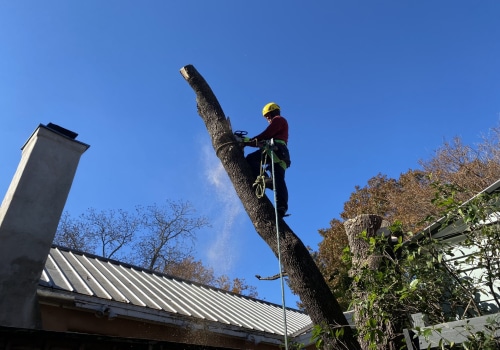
{"x":158,"y":237}
{"x":410,"y":199}
{"x":415,"y":278}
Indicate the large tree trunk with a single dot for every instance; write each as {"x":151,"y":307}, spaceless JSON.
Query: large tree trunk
{"x":305,"y":279}
{"x":361,"y":259}
{"x":359,"y":247}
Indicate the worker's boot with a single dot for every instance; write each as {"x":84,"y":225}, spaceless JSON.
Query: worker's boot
{"x":269,"y":182}
{"x":281,"y":212}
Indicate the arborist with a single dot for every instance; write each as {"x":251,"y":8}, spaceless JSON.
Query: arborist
{"x":277,"y":131}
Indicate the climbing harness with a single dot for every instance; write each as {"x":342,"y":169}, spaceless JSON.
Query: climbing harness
{"x":263,"y":178}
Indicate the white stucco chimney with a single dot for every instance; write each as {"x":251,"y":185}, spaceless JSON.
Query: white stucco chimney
{"x":29,"y":217}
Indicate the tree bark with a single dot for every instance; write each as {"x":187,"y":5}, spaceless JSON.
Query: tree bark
{"x":359,"y":247}
{"x":361,"y":258}
{"x":305,"y":279}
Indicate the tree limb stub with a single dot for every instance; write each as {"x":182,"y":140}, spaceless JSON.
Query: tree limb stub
{"x":271,"y":278}
{"x":305,"y":279}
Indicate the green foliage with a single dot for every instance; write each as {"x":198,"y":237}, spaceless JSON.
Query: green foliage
{"x":419,"y":274}
{"x":484,"y":340}
{"x":425,"y":278}
{"x":320,"y":333}
{"x":292,"y":345}
{"x":480,"y":245}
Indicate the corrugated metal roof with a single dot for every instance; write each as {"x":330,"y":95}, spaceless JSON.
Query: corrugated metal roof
{"x":92,"y":276}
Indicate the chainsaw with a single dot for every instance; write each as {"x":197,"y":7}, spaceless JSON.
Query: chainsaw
{"x":243,"y":140}
{"x":240,"y":136}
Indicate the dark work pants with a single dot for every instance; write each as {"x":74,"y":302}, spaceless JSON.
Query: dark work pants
{"x":279,"y":177}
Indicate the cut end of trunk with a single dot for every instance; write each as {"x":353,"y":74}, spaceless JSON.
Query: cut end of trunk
{"x":188,"y":72}
{"x":184,"y":72}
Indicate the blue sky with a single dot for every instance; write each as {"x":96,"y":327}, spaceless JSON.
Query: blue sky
{"x":367,"y":87}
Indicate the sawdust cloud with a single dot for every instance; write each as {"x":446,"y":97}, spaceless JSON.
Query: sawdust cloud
{"x":221,"y":252}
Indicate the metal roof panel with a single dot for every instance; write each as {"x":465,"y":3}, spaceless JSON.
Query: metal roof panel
{"x":86,"y":274}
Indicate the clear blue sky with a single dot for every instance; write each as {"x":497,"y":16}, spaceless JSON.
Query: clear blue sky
{"x":367,"y":87}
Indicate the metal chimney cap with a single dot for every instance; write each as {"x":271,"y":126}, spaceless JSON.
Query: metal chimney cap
{"x":68,"y":133}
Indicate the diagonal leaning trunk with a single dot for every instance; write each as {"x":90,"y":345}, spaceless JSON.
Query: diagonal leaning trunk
{"x":304,"y":276}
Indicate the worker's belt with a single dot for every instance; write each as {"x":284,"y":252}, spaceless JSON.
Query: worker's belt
{"x":284,"y":163}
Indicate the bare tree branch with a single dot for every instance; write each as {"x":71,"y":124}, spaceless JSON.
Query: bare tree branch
{"x":271,"y":278}
{"x":166,"y":227}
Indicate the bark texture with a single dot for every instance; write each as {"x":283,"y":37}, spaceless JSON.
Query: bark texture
{"x":359,"y":247}
{"x":361,"y":258}
{"x":305,"y":279}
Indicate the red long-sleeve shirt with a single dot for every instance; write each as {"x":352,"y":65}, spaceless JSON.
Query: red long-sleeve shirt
{"x":277,"y":129}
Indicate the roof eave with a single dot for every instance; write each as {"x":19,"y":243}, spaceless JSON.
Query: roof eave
{"x":113,"y":309}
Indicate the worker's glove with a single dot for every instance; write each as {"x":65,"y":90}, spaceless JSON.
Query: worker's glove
{"x":254,"y":143}
{"x":240,"y":137}
{"x":246,"y":141}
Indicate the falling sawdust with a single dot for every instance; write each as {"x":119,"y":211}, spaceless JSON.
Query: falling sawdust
{"x":221,"y":252}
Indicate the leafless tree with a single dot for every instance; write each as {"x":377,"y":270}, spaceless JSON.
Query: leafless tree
{"x":71,"y":233}
{"x":168,"y":234}
{"x":105,"y":232}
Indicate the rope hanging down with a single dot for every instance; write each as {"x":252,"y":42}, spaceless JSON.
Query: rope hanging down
{"x":260,"y":181}
{"x":283,"y":303}
{"x":260,"y":189}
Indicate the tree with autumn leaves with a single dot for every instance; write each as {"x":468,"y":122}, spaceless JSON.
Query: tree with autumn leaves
{"x":383,"y":280}
{"x":410,"y":199}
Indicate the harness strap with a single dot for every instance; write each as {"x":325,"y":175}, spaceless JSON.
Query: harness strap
{"x":266,"y":151}
{"x":276,"y":159}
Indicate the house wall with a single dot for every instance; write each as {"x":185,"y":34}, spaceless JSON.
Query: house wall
{"x":36,"y":339}
{"x":62,"y":319}
{"x":459,"y":257}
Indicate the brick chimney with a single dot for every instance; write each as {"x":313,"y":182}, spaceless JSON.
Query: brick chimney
{"x":29,"y":217}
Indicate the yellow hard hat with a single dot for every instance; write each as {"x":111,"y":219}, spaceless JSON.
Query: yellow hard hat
{"x":271,"y":106}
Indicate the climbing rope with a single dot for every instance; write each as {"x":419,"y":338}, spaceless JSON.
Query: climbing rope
{"x":260,"y":181}
{"x":279,"y":250}
{"x":260,"y":189}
